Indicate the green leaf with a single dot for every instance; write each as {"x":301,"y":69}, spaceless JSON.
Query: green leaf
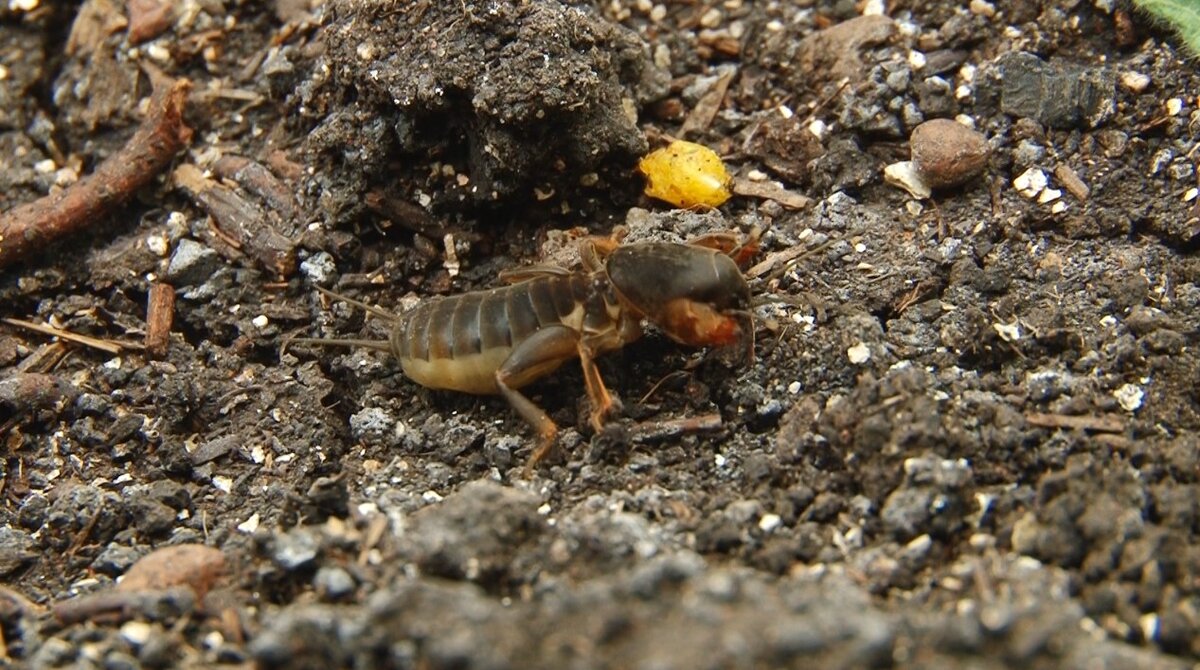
{"x":1181,"y":15}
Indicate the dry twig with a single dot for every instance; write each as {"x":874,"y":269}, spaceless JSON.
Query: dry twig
{"x":770,"y":190}
{"x":29,"y":227}
{"x":650,"y":431}
{"x":95,"y":343}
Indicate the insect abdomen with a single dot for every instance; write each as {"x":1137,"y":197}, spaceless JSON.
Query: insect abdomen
{"x":459,"y":342}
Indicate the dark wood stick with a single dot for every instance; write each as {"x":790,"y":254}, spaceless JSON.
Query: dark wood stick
{"x":29,"y":227}
{"x":242,"y":224}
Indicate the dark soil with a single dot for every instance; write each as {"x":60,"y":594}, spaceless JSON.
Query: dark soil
{"x":969,"y":436}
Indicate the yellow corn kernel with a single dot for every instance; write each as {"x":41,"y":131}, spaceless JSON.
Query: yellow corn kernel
{"x":686,"y":174}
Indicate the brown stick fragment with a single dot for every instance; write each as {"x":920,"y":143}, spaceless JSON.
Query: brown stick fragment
{"x":44,"y":358}
{"x":260,"y":181}
{"x":782,"y":259}
{"x":162,"y":134}
{"x":242,"y":221}
{"x":160,"y":315}
{"x":656,"y":430}
{"x":405,"y":214}
{"x":1101,"y":423}
{"x":769,"y":190}
{"x":115,"y":605}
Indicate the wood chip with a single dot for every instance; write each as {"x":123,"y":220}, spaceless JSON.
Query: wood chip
{"x":160,"y":316}
{"x":96,"y":20}
{"x":709,"y":104}
{"x":770,"y":190}
{"x":244,"y":224}
{"x":149,"y":19}
{"x":260,"y":181}
{"x":1071,"y":181}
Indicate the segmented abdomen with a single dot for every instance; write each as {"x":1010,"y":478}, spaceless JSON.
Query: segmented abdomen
{"x":459,"y":342}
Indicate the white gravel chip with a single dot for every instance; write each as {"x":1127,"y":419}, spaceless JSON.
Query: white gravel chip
{"x":249,"y":526}
{"x":136,"y":633}
{"x":1130,"y":396}
{"x":1031,"y":182}
{"x":904,"y":175}
{"x":859,"y":353}
{"x":1135,"y":82}
{"x":769,"y":522}
{"x":1049,"y":195}
{"x":431,"y":497}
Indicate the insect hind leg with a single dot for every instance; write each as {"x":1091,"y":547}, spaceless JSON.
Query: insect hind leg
{"x":538,"y":355}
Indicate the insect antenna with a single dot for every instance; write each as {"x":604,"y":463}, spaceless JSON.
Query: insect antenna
{"x":381,"y":313}
{"x":378,"y":345}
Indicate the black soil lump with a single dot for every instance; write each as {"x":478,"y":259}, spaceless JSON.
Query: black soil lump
{"x":508,"y":96}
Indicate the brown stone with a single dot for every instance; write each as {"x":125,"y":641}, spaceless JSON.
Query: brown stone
{"x":947,"y":153}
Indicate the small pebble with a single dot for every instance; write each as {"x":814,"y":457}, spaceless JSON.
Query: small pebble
{"x":874,"y":8}
{"x":431,"y":497}
{"x":222,"y":483}
{"x":982,"y":8}
{"x":947,"y":153}
{"x":1049,"y":195}
{"x":769,"y":522}
{"x":295,"y":549}
{"x":320,"y":268}
{"x":333,"y":583}
{"x":1135,"y":82}
{"x":158,"y":244}
{"x":192,"y":263}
